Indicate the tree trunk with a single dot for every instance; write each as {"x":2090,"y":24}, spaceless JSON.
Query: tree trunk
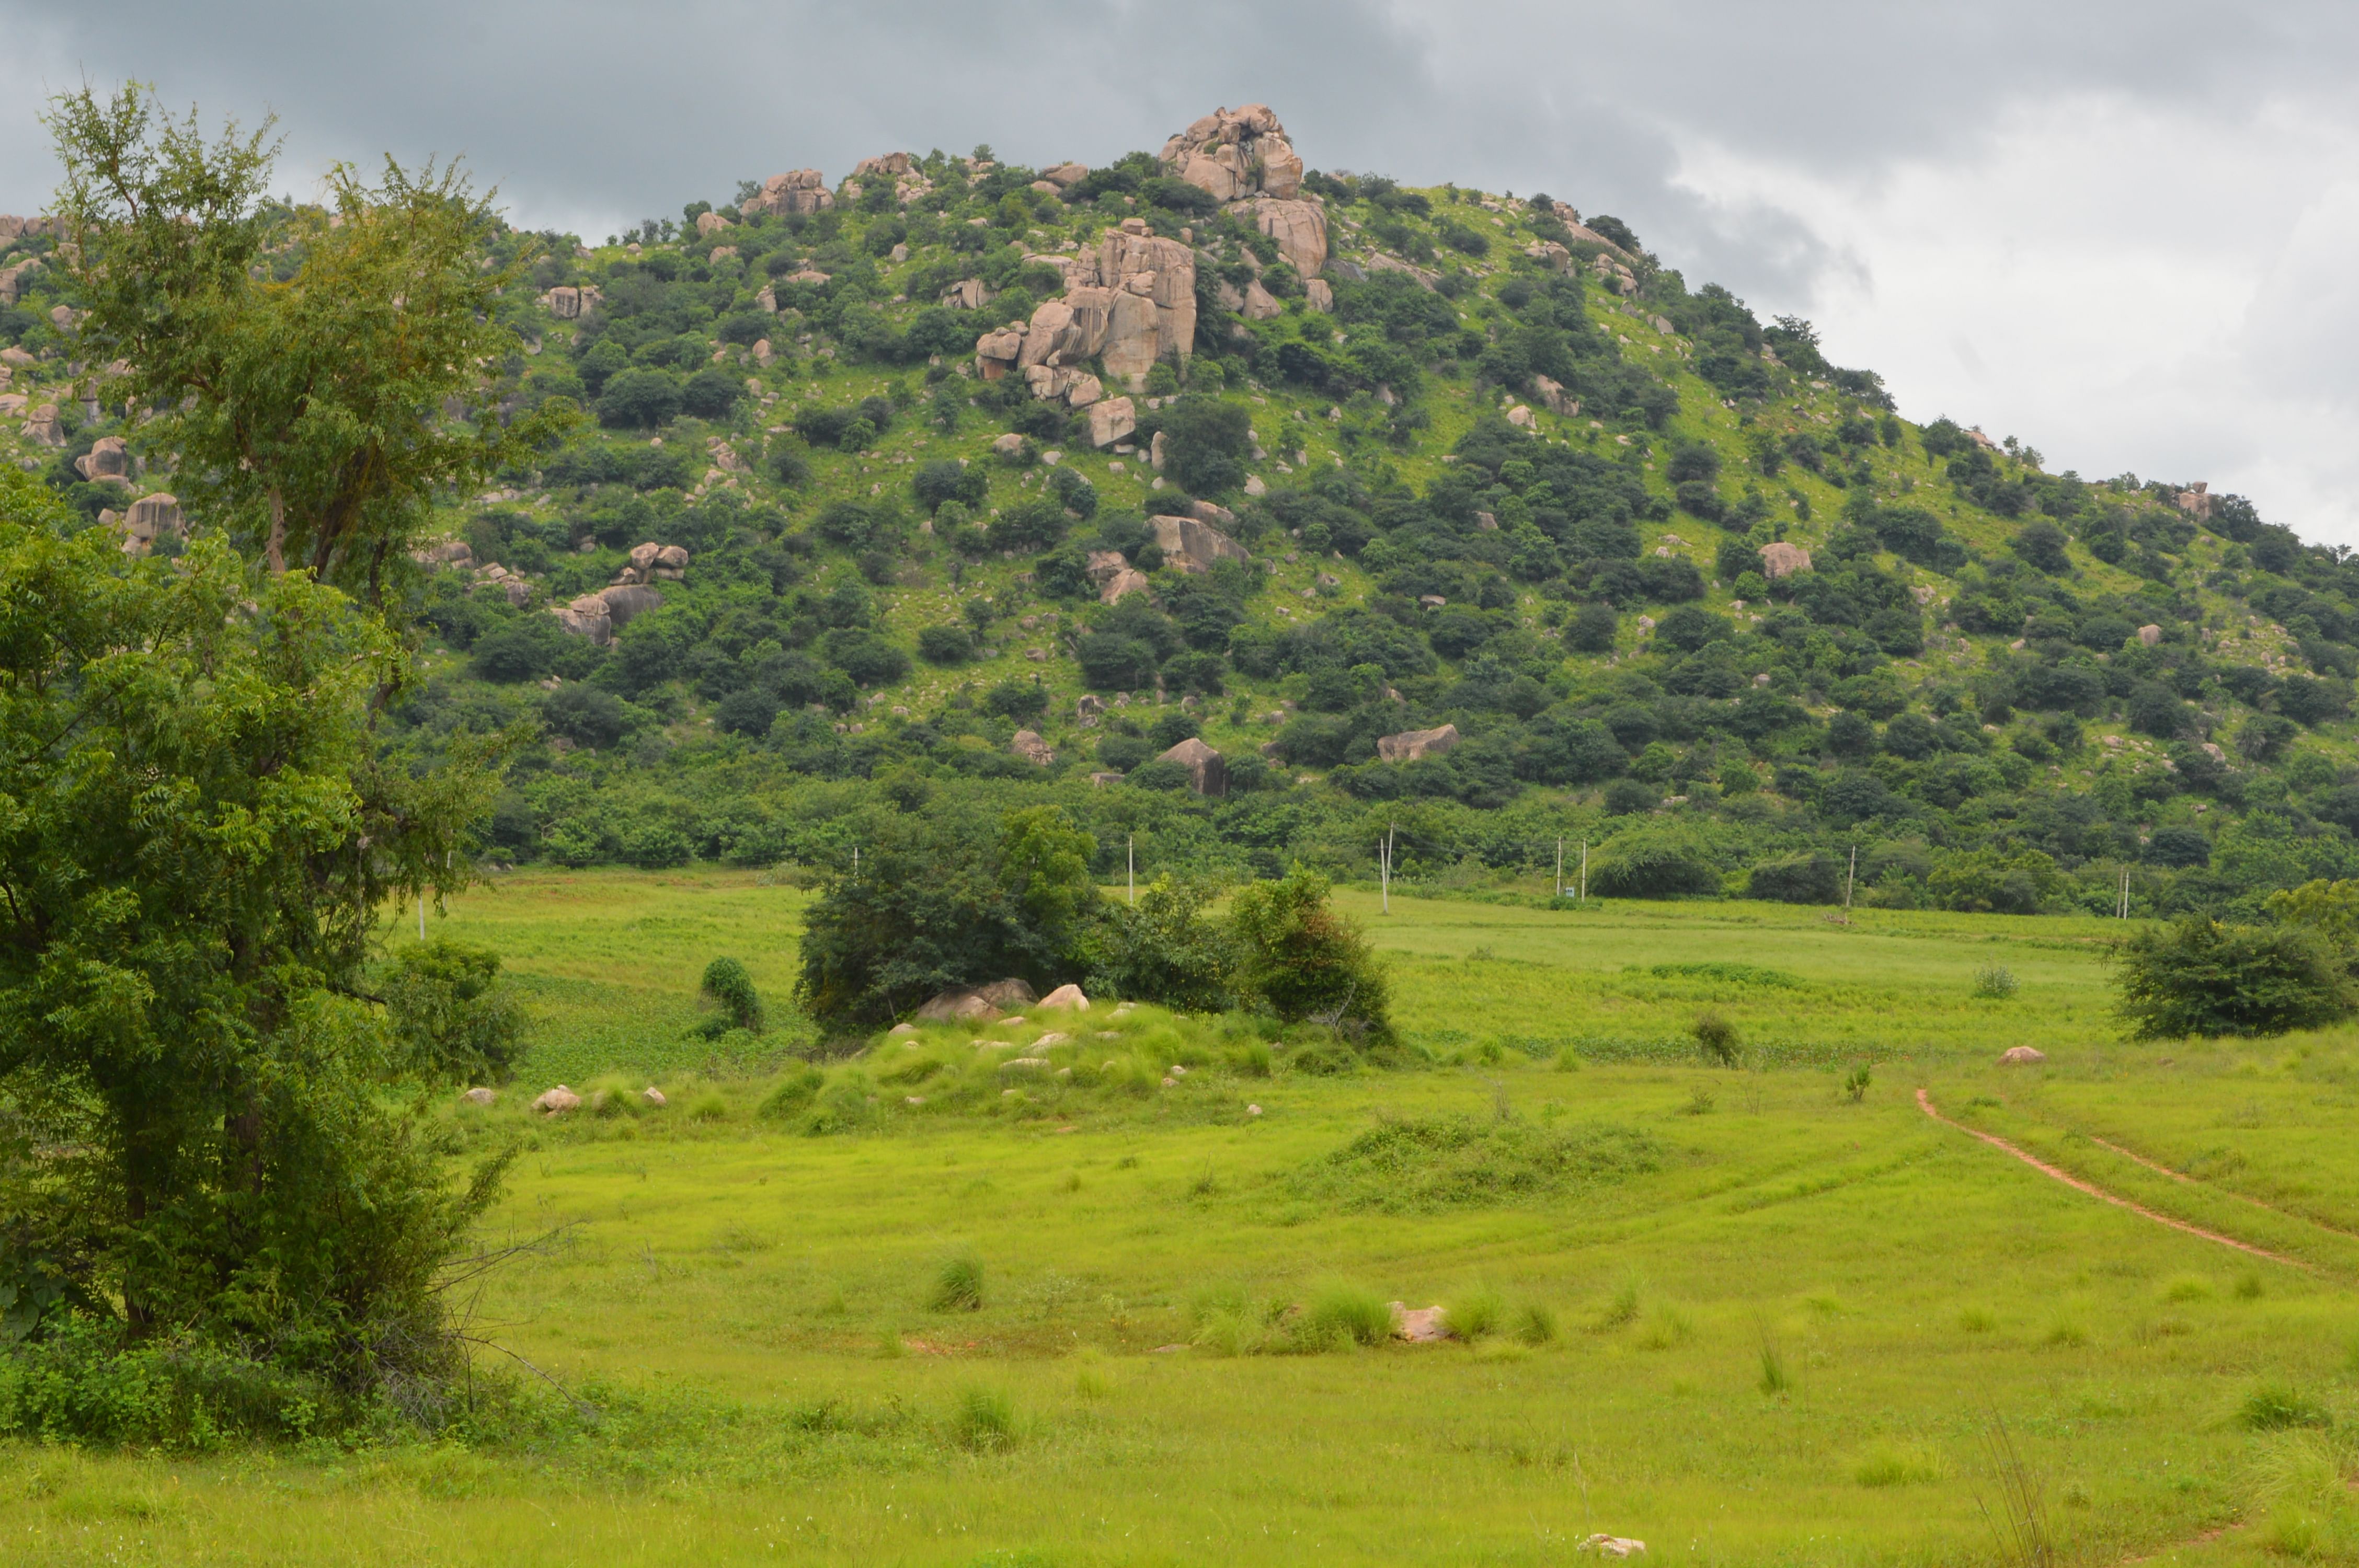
{"x":275,"y":552}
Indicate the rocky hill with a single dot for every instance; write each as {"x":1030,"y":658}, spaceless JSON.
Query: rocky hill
{"x":1248,"y":510}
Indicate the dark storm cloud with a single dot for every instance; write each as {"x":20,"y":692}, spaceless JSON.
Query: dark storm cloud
{"x":593,"y":114}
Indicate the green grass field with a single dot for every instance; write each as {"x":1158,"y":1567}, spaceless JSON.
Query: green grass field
{"x":1738,"y":1314}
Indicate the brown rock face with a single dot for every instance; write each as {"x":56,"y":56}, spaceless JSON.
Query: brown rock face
{"x":1208,"y":771}
{"x":891,"y":166}
{"x":799,"y":190}
{"x":1237,"y":153}
{"x":149,"y":519}
{"x":106,"y":459}
{"x":2023,"y":1056}
{"x":1112,"y":420}
{"x":1782,"y":559}
{"x":1121,"y":585}
{"x":1030,"y":746}
{"x":1410,"y":745}
{"x":2149,"y":636}
{"x":978,"y":1001}
{"x":1190,"y":546}
{"x":1299,"y":229}
{"x":556,"y":1101}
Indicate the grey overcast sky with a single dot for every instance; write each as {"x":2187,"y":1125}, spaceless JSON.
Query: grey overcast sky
{"x":2122,"y":229}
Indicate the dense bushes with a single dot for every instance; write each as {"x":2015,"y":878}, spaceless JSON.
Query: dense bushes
{"x":2203,"y":977}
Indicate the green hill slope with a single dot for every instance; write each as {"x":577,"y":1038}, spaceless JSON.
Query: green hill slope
{"x":1676,"y":585}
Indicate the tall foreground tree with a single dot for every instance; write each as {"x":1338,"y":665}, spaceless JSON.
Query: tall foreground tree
{"x":317,"y":375}
{"x":197,"y":830}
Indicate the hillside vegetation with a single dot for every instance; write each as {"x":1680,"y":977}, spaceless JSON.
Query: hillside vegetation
{"x":868,"y":523}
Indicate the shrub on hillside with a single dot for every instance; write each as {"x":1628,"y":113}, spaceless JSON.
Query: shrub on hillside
{"x":1163,"y":950}
{"x":1653,"y":862}
{"x":1305,"y":963}
{"x":730,"y":989}
{"x":1815,"y":878}
{"x":2201,"y":977}
{"x":449,"y":1010}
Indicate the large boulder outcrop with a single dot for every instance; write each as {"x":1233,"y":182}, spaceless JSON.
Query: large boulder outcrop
{"x":1128,"y":302}
{"x":1782,"y":559}
{"x":43,"y":428}
{"x":568,"y":303}
{"x":1207,"y":771}
{"x":598,"y":616}
{"x":1028,"y":745}
{"x":1300,"y":229}
{"x":797,"y":191}
{"x":978,"y":1001}
{"x":1237,"y":153}
{"x":1190,"y":544}
{"x":150,"y":518}
{"x":1411,"y":745}
{"x":107,"y":461}
{"x":1112,"y":420}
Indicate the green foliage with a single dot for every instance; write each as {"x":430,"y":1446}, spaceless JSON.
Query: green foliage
{"x":1652,"y":862}
{"x":450,"y":1013}
{"x":1164,"y":950}
{"x":939,"y":906}
{"x":1716,"y":1038}
{"x":199,"y":832}
{"x":306,"y":410}
{"x":729,"y":987}
{"x":2199,"y":977}
{"x":1300,"y":960}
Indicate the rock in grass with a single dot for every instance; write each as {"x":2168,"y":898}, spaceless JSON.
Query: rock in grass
{"x":480,"y":1096}
{"x":1606,"y":1545}
{"x":903,"y":1028}
{"x":654,"y":1096}
{"x":1420,"y":1325}
{"x":556,"y":1101}
{"x":1068,"y":996}
{"x":978,"y":1001}
{"x":1051,"y":1038}
{"x":2023,"y":1056}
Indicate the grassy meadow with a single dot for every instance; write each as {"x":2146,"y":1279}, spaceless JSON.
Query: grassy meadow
{"x":1067,"y":1313}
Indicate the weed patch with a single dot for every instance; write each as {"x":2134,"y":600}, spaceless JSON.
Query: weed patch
{"x":1424,"y":1165}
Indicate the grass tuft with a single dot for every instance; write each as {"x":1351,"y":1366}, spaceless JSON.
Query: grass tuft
{"x":958,"y":1284}
{"x":983,"y":1421}
{"x":1896,"y":1466}
{"x":1480,"y":1312}
{"x":1339,"y":1316}
{"x":1775,"y":1380}
{"x":2276,"y":1407}
{"x":1536,"y":1324}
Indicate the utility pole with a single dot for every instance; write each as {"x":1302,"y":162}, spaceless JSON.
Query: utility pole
{"x":2124,"y":910}
{"x":1385,"y":867}
{"x":1560,"y":865}
{"x":1851,"y":876}
{"x":855,"y":862}
{"x":421,"y":917}
{"x":1585,"y":873}
{"x":1130,"y":858}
